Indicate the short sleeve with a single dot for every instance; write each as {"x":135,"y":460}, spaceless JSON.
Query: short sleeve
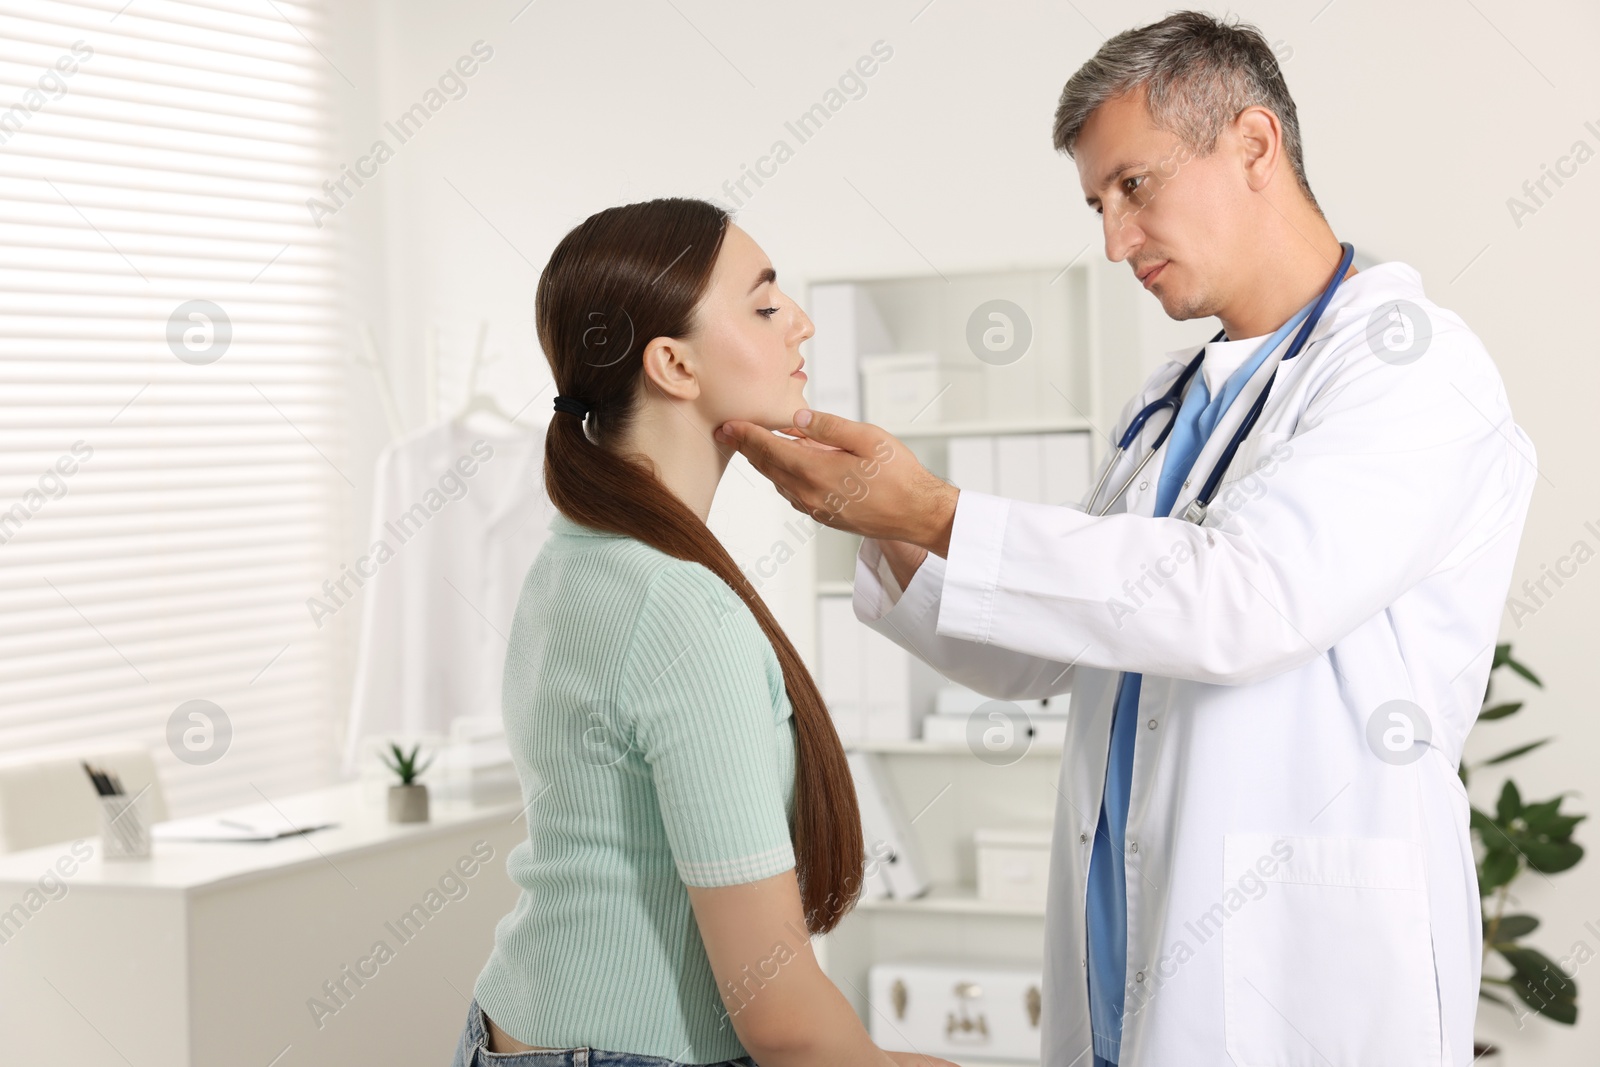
{"x":697,"y":693}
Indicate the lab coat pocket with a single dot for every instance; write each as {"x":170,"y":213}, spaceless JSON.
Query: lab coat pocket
{"x":1327,"y":960}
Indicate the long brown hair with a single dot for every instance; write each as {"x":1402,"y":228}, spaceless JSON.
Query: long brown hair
{"x":619,"y":279}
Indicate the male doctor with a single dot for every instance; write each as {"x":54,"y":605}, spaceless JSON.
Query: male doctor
{"x":1261,"y":850}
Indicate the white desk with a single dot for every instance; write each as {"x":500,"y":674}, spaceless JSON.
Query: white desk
{"x":215,"y":954}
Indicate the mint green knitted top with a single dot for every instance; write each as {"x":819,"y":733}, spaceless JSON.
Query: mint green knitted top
{"x":649,"y":724}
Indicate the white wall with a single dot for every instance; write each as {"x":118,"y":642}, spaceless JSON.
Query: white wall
{"x":1420,"y":120}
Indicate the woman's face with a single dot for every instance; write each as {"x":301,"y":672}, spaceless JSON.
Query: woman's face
{"x":745,"y":350}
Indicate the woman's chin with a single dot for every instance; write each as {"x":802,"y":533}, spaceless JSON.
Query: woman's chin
{"x":781,"y":415}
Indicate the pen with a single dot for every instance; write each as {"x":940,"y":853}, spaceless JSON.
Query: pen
{"x":102,"y":782}
{"x":99,"y":786}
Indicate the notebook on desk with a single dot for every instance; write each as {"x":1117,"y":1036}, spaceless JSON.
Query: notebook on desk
{"x":222,"y":828}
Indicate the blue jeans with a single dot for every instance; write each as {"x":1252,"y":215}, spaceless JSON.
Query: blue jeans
{"x":473,"y":1051}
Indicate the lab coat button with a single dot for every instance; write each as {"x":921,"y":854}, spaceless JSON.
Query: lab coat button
{"x":1133,"y":846}
{"x":1139,"y":977}
{"x":1152,"y":724}
{"x":1144,"y":485}
{"x":1082,"y":837}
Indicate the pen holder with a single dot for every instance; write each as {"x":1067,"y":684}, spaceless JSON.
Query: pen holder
{"x":124,"y":828}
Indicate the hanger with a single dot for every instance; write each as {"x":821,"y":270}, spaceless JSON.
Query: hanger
{"x":481,"y":402}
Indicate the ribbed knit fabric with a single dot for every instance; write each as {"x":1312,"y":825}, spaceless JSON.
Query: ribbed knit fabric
{"x":649,"y":723}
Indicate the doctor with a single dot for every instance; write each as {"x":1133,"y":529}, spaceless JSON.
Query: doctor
{"x":1261,"y":850}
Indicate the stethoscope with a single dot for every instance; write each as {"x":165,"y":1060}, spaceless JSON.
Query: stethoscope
{"x":1172,"y":400}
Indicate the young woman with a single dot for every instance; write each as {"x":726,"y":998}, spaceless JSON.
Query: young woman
{"x":691,"y":819}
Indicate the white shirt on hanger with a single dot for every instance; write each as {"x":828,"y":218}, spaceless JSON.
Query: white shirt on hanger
{"x":458,"y":517}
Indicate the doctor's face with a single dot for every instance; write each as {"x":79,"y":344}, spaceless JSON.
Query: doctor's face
{"x":1165,"y":210}
{"x":746,"y":344}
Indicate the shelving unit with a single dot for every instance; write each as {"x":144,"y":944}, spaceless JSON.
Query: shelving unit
{"x":952,"y":899}
{"x":1062,"y":384}
{"x":919,"y":747}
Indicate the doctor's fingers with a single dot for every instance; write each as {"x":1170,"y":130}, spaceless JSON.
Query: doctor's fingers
{"x":822,"y":515}
{"x":806,"y":442}
{"x":799,"y":469}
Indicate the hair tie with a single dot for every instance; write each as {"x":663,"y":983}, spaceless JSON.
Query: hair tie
{"x":573,"y":406}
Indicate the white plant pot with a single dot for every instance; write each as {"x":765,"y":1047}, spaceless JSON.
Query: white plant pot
{"x":408,"y":803}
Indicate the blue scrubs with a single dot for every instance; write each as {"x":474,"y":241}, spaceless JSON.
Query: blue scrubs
{"x":1107,"y":891}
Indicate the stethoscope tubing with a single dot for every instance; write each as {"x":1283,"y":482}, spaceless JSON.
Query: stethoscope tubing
{"x":1173,"y":400}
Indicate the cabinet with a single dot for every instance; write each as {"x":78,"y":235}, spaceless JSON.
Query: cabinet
{"x":998,"y":382}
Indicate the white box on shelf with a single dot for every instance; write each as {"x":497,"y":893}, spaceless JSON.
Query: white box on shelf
{"x":897,"y":387}
{"x":1013,"y":864}
{"x":958,"y":1011}
{"x":959,"y":700}
{"x":950,"y":729}
{"x":476,"y":763}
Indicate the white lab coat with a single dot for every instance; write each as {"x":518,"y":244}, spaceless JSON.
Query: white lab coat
{"x":1293,"y":898}
{"x":460,"y":516}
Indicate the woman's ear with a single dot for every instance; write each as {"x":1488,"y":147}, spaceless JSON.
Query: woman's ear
{"x":668,"y":368}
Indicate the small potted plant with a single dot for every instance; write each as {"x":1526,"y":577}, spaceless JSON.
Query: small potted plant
{"x":408,"y":801}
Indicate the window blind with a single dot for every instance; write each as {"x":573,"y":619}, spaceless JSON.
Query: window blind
{"x":170,"y":390}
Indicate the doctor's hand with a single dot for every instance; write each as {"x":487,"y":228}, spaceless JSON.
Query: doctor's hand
{"x":851,"y":476}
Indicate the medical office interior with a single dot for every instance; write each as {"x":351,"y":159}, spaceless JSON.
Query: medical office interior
{"x":272,"y":413}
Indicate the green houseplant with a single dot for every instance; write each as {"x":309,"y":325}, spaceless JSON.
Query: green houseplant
{"x":408,"y":801}
{"x":1518,"y":836}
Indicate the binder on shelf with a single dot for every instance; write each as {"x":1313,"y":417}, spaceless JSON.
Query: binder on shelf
{"x":1018,"y":475}
{"x":874,"y":878}
{"x":865,"y":678}
{"x":885,"y":830}
{"x":1068,"y":467}
{"x":841,"y":667}
{"x":1042,"y":468}
{"x":972,"y":463}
